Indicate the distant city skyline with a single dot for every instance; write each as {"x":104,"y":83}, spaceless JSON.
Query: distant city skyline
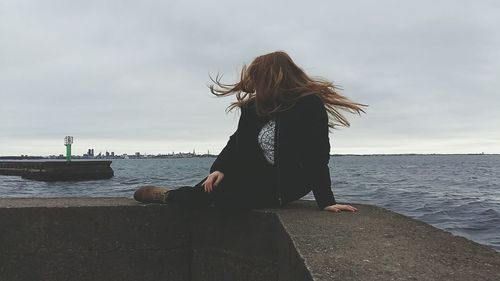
{"x":132,"y":75}
{"x":113,"y":154}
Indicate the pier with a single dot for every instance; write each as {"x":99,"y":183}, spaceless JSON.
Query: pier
{"x":120,"y":239}
{"x":53,"y":170}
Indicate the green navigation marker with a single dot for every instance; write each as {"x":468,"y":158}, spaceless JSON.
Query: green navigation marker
{"x":68,"y":141}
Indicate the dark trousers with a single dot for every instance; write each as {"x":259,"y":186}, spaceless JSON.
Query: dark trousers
{"x":256,"y":189}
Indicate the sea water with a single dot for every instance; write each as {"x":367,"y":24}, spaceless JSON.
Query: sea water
{"x":457,"y":193}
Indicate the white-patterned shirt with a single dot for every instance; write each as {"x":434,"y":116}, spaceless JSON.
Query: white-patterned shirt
{"x":266,"y":140}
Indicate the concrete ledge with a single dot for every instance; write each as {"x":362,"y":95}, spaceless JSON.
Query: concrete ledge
{"x":118,"y":239}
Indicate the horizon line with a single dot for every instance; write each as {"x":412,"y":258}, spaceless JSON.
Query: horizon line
{"x":335,"y":154}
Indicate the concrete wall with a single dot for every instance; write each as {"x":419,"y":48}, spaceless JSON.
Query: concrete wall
{"x":94,"y":243}
{"x":68,"y":239}
{"x":243,"y":246}
{"x":118,"y":239}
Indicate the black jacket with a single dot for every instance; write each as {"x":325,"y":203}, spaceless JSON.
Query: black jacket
{"x":301,"y":150}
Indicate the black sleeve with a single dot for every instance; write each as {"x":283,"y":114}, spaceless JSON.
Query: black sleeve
{"x":317,"y":150}
{"x":226,"y":159}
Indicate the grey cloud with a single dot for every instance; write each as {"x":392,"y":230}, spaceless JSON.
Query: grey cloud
{"x":138,"y":70}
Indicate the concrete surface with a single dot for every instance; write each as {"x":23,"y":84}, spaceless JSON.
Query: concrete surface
{"x":119,"y":239}
{"x":377,"y":244}
{"x":92,"y":239}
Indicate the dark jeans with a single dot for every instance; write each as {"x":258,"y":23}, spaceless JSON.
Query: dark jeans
{"x":258,"y":190}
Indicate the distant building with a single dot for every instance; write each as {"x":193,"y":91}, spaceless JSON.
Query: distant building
{"x":112,"y":153}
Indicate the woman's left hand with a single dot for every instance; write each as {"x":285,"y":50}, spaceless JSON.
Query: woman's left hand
{"x":212,"y":181}
{"x":339,"y":208}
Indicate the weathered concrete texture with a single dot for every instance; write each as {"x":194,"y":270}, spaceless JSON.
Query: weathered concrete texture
{"x":76,"y":242}
{"x":69,"y":202}
{"x":243,"y":246}
{"x":376,"y":244}
{"x":118,"y":239}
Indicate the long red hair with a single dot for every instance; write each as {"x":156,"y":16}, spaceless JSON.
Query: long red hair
{"x":275,"y":83}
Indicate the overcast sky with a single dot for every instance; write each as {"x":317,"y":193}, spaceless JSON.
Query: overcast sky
{"x":129,"y":76}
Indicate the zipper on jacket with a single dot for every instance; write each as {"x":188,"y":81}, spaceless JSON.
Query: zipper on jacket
{"x":277,"y":158}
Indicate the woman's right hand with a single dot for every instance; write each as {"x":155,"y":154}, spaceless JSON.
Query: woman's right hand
{"x":212,"y":181}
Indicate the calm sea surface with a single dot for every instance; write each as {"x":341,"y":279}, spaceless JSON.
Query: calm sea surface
{"x":457,"y":193}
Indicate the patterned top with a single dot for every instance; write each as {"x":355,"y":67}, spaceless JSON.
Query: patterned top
{"x":266,"y":140}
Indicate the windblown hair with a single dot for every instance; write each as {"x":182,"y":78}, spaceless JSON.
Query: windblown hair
{"x":275,"y":83}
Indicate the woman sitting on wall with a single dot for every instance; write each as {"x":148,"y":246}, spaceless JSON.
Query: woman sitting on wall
{"x":280,"y":150}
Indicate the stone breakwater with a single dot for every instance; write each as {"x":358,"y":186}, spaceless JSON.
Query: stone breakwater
{"x":119,"y":239}
{"x":54,"y":170}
